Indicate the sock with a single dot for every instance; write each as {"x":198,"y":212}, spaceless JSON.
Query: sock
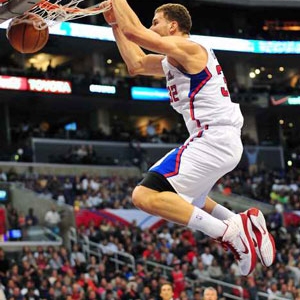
{"x":222,"y":213}
{"x":206,"y":223}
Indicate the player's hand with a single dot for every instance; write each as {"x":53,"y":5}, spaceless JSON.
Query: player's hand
{"x":109,"y":15}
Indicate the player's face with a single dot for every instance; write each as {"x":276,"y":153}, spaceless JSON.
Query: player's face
{"x":160,"y":24}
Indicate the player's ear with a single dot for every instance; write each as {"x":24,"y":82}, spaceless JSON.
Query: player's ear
{"x":173,"y":27}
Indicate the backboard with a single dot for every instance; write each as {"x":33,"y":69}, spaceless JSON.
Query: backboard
{"x":14,"y":8}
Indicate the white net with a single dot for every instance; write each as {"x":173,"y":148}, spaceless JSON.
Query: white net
{"x":29,"y":18}
{"x":57,"y":12}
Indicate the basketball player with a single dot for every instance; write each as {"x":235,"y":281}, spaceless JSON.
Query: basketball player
{"x":176,"y":187}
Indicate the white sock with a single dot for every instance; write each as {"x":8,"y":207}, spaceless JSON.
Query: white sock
{"x":222,"y":213}
{"x":206,"y":223}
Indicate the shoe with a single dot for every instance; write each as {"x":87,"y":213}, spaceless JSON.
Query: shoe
{"x":238,"y":239}
{"x":263,"y":240}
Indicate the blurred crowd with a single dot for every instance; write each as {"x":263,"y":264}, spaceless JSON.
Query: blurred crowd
{"x":121,"y":130}
{"x":281,"y":188}
{"x":75,"y":274}
{"x":61,"y":273}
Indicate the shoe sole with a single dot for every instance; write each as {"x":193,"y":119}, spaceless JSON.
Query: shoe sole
{"x":266,"y":249}
{"x":245,"y":219}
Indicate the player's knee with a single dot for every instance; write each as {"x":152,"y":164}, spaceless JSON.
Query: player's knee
{"x":137,"y":197}
{"x":141,"y":199}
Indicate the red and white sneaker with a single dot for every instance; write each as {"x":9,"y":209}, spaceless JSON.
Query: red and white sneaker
{"x":263,"y":240}
{"x":238,"y":239}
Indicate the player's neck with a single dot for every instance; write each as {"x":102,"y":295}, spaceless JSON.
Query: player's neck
{"x":181,"y":34}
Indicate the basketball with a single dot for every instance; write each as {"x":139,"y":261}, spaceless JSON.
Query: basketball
{"x":28,"y":33}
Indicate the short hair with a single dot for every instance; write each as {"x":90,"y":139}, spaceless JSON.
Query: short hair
{"x":166,"y":283}
{"x":179,"y":13}
{"x":210,"y":288}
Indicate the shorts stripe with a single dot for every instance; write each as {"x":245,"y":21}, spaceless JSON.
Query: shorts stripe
{"x":170,"y":165}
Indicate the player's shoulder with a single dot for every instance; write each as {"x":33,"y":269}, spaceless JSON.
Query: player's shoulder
{"x":186,"y":43}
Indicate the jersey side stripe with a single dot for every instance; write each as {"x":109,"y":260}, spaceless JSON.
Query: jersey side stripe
{"x":197,"y":83}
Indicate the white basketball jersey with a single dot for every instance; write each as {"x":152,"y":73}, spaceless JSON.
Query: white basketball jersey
{"x":202,"y":99}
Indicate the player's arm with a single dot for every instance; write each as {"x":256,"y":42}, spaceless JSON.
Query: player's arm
{"x":135,"y":58}
{"x":182,"y":50}
{"x":137,"y":61}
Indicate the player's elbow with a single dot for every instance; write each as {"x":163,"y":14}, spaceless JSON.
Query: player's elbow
{"x":136,"y":66}
{"x":132,"y":71}
{"x":130,"y":33}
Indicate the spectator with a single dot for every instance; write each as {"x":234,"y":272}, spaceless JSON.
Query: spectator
{"x":166,"y":291}
{"x":92,"y":295}
{"x":68,"y":190}
{"x":200,"y":273}
{"x":2,"y":294}
{"x":131,"y":291}
{"x":22,"y":220}
{"x":177,"y":279}
{"x":284,"y":293}
{"x":4,"y":264}
{"x":151,"y":131}
{"x":53,"y":219}
{"x":30,"y":291}
{"x":54,"y":187}
{"x":210,"y":293}
{"x":272,"y":291}
{"x":242,"y":290}
{"x":183,"y":295}
{"x":93,"y":263}
{"x":55,"y":262}
{"x":77,"y":292}
{"x":31,"y":219}
{"x":252,"y":288}
{"x":3,"y":176}
{"x":146,"y":293}
{"x":197,"y":294}
{"x":77,"y":256}
{"x":206,"y":257}
{"x":215,"y":270}
{"x":12,"y":216}
{"x":16,"y":294}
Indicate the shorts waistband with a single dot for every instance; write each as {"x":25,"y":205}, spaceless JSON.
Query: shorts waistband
{"x":222,"y":127}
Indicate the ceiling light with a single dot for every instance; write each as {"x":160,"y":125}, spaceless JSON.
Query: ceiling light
{"x":252,"y":75}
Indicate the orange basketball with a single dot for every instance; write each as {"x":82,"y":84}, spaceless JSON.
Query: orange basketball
{"x":28,"y":33}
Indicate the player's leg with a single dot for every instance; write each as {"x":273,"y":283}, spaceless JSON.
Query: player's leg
{"x":217,"y":210}
{"x":172,"y":207}
{"x":155,"y":196}
{"x":190,"y":171}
